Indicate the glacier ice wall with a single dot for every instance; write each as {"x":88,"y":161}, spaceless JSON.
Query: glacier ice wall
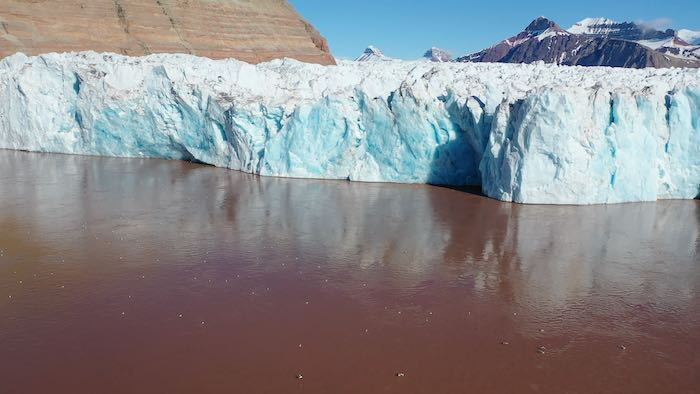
{"x":525,"y":133}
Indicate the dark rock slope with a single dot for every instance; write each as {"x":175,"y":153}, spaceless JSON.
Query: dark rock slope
{"x":544,"y":40}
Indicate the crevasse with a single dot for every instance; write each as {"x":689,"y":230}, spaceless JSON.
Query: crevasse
{"x":525,"y":133}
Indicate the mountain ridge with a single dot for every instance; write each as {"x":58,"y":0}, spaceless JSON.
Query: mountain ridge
{"x":594,"y":42}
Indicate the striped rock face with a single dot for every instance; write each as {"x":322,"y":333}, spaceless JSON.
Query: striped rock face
{"x":250,"y":30}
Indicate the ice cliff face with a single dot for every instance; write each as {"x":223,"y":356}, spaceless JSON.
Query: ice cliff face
{"x":526,"y":133}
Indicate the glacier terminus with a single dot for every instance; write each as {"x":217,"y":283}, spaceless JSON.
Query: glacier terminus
{"x":533,"y":133}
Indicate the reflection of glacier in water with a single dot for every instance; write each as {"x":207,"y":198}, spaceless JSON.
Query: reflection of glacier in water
{"x":344,"y":226}
{"x":144,"y":213}
{"x":597,"y":260}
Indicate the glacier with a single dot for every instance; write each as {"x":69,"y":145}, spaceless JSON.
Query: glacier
{"x":536,"y":133}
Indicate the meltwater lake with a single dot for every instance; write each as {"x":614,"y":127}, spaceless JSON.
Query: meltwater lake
{"x":145,"y":276}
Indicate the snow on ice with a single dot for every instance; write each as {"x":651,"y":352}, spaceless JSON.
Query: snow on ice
{"x":525,"y":133}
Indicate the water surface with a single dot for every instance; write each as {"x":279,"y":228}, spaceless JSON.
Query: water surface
{"x":147,"y":276}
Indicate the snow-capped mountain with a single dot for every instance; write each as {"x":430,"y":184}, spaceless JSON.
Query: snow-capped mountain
{"x":680,"y":44}
{"x":539,"y":29}
{"x":624,"y":30}
{"x":689,"y":36}
{"x":438,"y":55}
{"x":593,"y":26}
{"x":595,"y":42}
{"x":372,"y":54}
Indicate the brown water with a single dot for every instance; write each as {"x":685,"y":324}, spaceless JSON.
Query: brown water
{"x":145,"y":276}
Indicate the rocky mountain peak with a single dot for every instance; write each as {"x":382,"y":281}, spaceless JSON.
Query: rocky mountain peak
{"x":372,"y":53}
{"x":542,"y":24}
{"x":438,"y":55}
{"x":595,"y":42}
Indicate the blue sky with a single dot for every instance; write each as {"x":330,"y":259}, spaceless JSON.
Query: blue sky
{"x":405,"y":29}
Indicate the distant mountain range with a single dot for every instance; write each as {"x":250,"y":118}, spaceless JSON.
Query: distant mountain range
{"x":595,"y":42}
{"x":374,"y":54}
{"x":590,"y":42}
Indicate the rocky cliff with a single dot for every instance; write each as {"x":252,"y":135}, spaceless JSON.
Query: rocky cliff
{"x":250,"y":30}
